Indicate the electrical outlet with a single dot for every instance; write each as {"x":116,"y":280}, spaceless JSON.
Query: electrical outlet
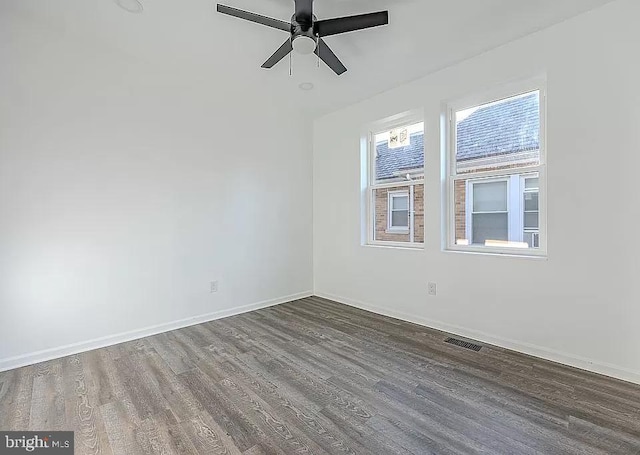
{"x":214,"y":287}
{"x":433,"y":289}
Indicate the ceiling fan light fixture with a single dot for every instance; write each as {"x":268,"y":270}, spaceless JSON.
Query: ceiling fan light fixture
{"x":131,"y":6}
{"x":304,"y":45}
{"x":307,"y":33}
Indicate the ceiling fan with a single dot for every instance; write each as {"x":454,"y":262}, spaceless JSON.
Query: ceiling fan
{"x":307,"y":32}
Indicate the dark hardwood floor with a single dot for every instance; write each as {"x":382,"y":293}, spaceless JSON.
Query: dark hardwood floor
{"x":313,"y":376}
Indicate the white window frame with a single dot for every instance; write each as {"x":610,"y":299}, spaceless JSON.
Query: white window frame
{"x":391,"y":195}
{"x":516,"y":220}
{"x":370,"y":187}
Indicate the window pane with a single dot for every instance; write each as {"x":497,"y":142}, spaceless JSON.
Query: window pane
{"x":490,"y":197}
{"x":382,"y":223}
{"x":490,"y":226}
{"x":501,"y":135}
{"x":400,"y":218}
{"x":394,"y":161}
{"x":531,"y":220}
{"x":488,"y":222}
{"x":531,"y":202}
{"x":400,"y":202}
{"x":532,"y":184}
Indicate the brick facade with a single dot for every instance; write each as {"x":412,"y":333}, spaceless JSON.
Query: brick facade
{"x":460,"y":195}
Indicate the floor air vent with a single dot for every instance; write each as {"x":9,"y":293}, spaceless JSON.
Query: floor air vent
{"x":463,"y":344}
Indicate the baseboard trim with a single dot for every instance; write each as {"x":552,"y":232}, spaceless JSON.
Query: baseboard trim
{"x":89,"y":345}
{"x":514,"y":345}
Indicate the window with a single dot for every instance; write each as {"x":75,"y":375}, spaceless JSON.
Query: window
{"x":503,"y":212}
{"x":490,"y":212}
{"x":496,"y":177}
{"x":395,"y":184}
{"x":398,"y":219}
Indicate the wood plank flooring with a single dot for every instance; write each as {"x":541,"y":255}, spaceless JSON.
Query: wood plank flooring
{"x":314,"y":376}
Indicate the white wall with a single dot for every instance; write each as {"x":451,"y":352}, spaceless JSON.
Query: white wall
{"x":582,"y":305}
{"x":124,"y":192}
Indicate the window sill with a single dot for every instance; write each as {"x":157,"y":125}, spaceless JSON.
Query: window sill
{"x":397,"y":231}
{"x":540,"y":256}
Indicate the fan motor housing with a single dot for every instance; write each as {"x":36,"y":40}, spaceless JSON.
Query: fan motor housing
{"x":303,"y":28}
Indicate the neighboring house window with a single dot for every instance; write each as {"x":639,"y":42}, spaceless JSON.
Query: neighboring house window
{"x":395,"y":184}
{"x":488,"y":218}
{"x":531,"y":205}
{"x":503,"y":212}
{"x":497,"y":174}
{"x":398,"y":219}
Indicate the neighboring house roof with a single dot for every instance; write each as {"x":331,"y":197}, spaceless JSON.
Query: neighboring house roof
{"x":499,"y":129}
{"x":391,"y":162}
{"x":508,"y":127}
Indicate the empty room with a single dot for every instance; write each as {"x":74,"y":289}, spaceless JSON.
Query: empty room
{"x":319,"y":226}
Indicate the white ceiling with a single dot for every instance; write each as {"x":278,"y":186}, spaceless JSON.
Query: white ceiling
{"x":208,"y":48}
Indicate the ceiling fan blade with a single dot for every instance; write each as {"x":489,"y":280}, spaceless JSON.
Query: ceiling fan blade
{"x":257,"y":18}
{"x":281,"y":53}
{"x":326,"y":55}
{"x":304,"y":11}
{"x":351,"y":23}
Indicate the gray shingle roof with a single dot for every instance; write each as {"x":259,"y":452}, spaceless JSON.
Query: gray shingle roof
{"x":508,"y":127}
{"x":390,"y":162}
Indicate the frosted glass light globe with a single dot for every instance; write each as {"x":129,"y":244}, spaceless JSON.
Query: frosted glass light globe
{"x":304,"y":45}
